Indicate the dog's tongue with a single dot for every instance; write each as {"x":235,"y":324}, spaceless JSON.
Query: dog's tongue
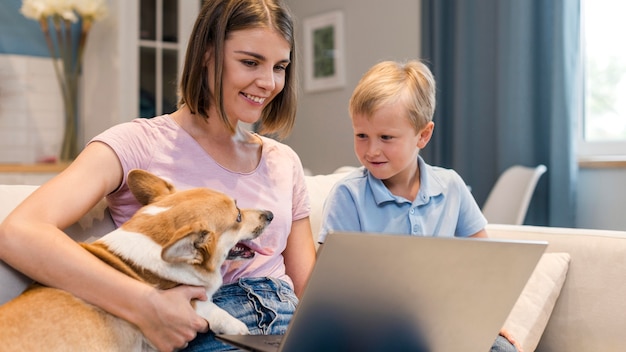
{"x":245,"y":250}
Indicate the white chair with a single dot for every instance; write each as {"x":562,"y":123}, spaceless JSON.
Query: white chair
{"x":508,"y":200}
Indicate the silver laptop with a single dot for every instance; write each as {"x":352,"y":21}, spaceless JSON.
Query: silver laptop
{"x":374,"y":292}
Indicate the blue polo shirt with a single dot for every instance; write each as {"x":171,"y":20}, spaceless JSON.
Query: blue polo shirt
{"x":443,"y":207}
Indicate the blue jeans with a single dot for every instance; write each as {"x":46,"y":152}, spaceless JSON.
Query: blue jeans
{"x":265,"y":305}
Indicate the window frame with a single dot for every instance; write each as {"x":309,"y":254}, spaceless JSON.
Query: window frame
{"x":588,"y":150}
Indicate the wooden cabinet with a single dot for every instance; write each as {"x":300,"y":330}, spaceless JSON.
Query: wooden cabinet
{"x":29,"y":174}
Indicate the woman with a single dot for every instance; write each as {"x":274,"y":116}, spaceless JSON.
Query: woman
{"x":239,"y":68}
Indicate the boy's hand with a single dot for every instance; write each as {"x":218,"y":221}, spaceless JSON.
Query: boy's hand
{"x":506,"y":334}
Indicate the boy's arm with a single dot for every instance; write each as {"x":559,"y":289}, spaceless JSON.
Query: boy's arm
{"x":340,"y":213}
{"x":480,"y":234}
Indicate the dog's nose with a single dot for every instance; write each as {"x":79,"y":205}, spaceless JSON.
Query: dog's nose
{"x":269,"y":216}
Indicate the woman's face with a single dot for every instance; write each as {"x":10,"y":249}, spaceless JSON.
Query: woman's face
{"x":255,"y":63}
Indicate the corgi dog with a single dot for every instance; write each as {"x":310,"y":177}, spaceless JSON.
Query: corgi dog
{"x":176,"y":238}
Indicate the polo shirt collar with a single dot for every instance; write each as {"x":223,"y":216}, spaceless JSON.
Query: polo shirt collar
{"x":430,"y":186}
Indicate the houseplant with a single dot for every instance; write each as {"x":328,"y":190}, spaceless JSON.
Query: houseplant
{"x":66,"y":25}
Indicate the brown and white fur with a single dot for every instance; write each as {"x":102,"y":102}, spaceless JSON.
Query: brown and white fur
{"x":178,"y":237}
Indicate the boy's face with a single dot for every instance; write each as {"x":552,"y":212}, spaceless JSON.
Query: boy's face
{"x":387,"y":144}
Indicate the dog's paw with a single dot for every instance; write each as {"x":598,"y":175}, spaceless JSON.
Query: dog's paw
{"x":220,"y":322}
{"x":229,"y":326}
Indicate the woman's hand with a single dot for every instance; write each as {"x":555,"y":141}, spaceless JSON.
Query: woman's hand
{"x":168,"y":320}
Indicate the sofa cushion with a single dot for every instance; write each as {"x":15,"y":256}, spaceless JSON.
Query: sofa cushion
{"x":318,"y":187}
{"x":96,"y":223}
{"x":11,"y":281}
{"x":589,"y":314}
{"x":531,"y":312}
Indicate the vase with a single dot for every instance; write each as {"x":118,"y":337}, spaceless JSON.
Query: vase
{"x":69,"y":91}
{"x":67,"y":57}
{"x":69,"y":145}
{"x":65,"y":25}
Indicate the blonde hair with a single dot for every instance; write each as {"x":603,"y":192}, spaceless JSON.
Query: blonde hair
{"x":216,"y":20}
{"x":410,"y":83}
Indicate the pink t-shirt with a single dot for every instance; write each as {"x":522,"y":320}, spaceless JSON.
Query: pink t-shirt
{"x":160,"y":146}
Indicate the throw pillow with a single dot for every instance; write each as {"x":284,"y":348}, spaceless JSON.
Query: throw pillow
{"x":531,"y":312}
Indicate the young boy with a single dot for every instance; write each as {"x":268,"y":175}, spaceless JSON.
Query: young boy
{"x":395,"y":191}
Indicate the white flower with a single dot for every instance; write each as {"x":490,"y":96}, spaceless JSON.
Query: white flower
{"x":39,"y":9}
{"x":36,"y":9}
{"x":90,"y":9}
{"x":64,"y":9}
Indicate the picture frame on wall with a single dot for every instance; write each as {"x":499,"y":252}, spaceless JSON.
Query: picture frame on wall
{"x":324,"y":60}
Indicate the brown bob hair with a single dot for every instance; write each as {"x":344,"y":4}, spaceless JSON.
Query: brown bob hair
{"x":218,"y":18}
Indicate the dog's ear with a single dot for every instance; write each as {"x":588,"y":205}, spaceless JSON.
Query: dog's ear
{"x":147,"y":187}
{"x":185,"y":248}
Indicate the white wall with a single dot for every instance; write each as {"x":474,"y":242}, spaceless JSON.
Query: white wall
{"x":374,"y":30}
{"x":110,"y":63}
{"x":31,"y":109}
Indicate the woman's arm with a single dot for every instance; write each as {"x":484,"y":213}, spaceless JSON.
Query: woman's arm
{"x":299,"y":254}
{"x":30,"y":241}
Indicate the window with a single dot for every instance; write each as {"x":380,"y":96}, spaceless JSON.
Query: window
{"x":604,"y":122}
{"x":158,"y":50}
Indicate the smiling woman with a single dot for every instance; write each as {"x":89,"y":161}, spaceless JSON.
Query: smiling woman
{"x":239,"y":69}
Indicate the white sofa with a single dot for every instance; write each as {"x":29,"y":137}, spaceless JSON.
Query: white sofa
{"x":581,"y":305}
